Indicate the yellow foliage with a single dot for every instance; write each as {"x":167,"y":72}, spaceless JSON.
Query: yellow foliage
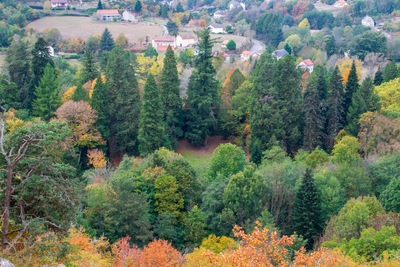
{"x":97,"y":158}
{"x":11,"y":121}
{"x":103,"y":78}
{"x":344,"y":65}
{"x":389,"y":93}
{"x":177,"y":17}
{"x":304,"y":23}
{"x":68,"y":94}
{"x":218,"y":244}
{"x":148,"y":65}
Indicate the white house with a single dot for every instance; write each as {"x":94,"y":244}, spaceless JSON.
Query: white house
{"x":128,"y":16}
{"x":246,"y":55}
{"x":368,"y":21}
{"x":108,"y":14}
{"x":220,"y":14}
{"x":236,"y":4}
{"x":163,"y":41}
{"x":185,"y":40}
{"x":59,"y":3}
{"x":306,"y":64}
{"x":51,"y":51}
{"x":217,"y":28}
{"x":341,"y":4}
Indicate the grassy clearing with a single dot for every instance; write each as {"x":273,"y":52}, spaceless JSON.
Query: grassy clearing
{"x":199,"y":162}
{"x":2,"y":60}
{"x":84,"y":27}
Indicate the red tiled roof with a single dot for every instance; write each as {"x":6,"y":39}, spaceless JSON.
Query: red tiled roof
{"x":186,"y":36}
{"x":163,"y":48}
{"x":108,"y":12}
{"x":248,"y":53}
{"x":167,"y":38}
{"x":308,"y":62}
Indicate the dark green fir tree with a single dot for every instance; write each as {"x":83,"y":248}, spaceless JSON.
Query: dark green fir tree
{"x":351,"y":87}
{"x":151,"y":126}
{"x":138,"y":6}
{"x":330,"y":45}
{"x":390,"y":72}
{"x":99,"y":5}
{"x":170,"y":98}
{"x":99,"y":102}
{"x":371,"y":98}
{"x":47,"y":98}
{"x":80,"y":94}
{"x":89,"y":69}
{"x":203,"y":98}
{"x":256,"y":153}
{"x":357,"y":107}
{"x":106,"y":42}
{"x":307,"y":218}
{"x":378,"y":80}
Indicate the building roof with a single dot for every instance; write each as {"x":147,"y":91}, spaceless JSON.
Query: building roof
{"x":248,"y":53}
{"x":281,"y":53}
{"x":307,"y":62}
{"x":216,"y":25}
{"x":108,"y":12}
{"x":163,"y":48}
{"x":59,"y":1}
{"x":340,"y":3}
{"x":167,"y":38}
{"x":186,"y":36}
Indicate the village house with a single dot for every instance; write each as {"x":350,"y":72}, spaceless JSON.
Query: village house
{"x":368,"y":21}
{"x":160,"y":41}
{"x":217,"y":28}
{"x":306,"y":65}
{"x":185,"y":40}
{"x":220,"y":14}
{"x":51,"y":51}
{"x":246,"y":55}
{"x":59,"y":3}
{"x":280,"y":53}
{"x":163,"y":48}
{"x":108,"y":14}
{"x":340,"y":4}
{"x":236,"y":4}
{"x":128,"y":16}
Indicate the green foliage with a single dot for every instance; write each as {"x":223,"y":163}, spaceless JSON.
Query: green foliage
{"x":353,"y":179}
{"x":150,"y":51}
{"x":269,"y":28}
{"x":307,"y":217}
{"x":227,"y":159}
{"x":194,"y":226}
{"x":47,"y":97}
{"x":151,"y":126}
{"x":378,"y":79}
{"x":99,"y":102}
{"x":368,"y":42}
{"x":106,"y":42}
{"x":390,"y":72}
{"x":80,"y":94}
{"x":383,"y":171}
{"x":89,"y":69}
{"x":390,"y":196}
{"x":138,"y":6}
{"x":231,"y":45}
{"x":99,"y":5}
{"x":330,"y":45}
{"x":172,"y":28}
{"x":9,"y":94}
{"x":167,"y":197}
{"x":203,"y":98}
{"x":351,"y":87}
{"x":356,"y":109}
{"x":346,"y":150}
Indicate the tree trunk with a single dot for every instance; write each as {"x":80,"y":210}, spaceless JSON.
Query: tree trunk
{"x":7,"y":200}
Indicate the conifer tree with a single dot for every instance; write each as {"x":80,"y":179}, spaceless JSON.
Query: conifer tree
{"x":256,"y":154}
{"x":170,"y":98}
{"x":151,"y":126}
{"x":40,"y":59}
{"x":99,"y":102}
{"x":307,"y":213}
{"x":9,"y":94}
{"x":99,"y":5}
{"x":378,"y":80}
{"x":138,"y":6}
{"x":47,"y":99}
{"x":356,"y":108}
{"x":106,"y":42}
{"x":288,"y":48}
{"x":89,"y":69}
{"x":203,"y":98}
{"x":124,"y":102}
{"x":330,"y":45}
{"x":335,"y":114}
{"x":371,"y":98}
{"x":390,"y":72}
{"x":80,"y":94}
{"x":351,"y":87}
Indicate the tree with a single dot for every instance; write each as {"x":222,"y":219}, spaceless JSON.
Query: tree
{"x":151,"y":125}
{"x":18,"y":69}
{"x":203,"y":98}
{"x":269,"y":28}
{"x":80,"y":94}
{"x":346,"y":150}
{"x":357,"y":107}
{"x":179,"y":7}
{"x":335,"y":114}
{"x":138,"y":6}
{"x":371,"y":98}
{"x":351,"y":87}
{"x":304,"y":23}
{"x":172,"y":28}
{"x":106,"y":41}
{"x":89,"y":69}
{"x":150,"y":51}
{"x":307,"y":214}
{"x":390,"y":196}
{"x":40,"y":59}
{"x":389,"y":94}
{"x":124,"y":100}
{"x":390,"y":71}
{"x":368,"y":42}
{"x":122,"y":41}
{"x":231,"y":45}
{"x":32,"y":160}
{"x":167,"y":197}
{"x":170,"y":98}
{"x":9,"y":96}
{"x":100,"y":102}
{"x":194,"y":226}
{"x":99,"y":5}
{"x":47,"y":98}
{"x":378,"y":80}
{"x":330,"y":45}
{"x":288,"y":48}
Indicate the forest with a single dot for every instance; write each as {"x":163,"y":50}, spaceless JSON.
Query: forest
{"x":307,"y":172}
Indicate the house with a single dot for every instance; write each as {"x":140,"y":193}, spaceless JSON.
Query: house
{"x":163,"y":48}
{"x":236,"y":4}
{"x":306,"y":65}
{"x":108,"y":14}
{"x":340,"y":4}
{"x":217,"y":28}
{"x":368,"y":21}
{"x":246,"y":55}
{"x":185,"y":40}
{"x":128,"y":16}
{"x":220,"y":14}
{"x":51,"y":51}
{"x":59,"y":3}
{"x":280,"y":53}
{"x":163,"y":41}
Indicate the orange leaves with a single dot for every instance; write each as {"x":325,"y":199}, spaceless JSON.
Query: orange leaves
{"x":124,"y":254}
{"x":96,"y":158}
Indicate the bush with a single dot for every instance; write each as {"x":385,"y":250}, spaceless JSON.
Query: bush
{"x":231,"y":45}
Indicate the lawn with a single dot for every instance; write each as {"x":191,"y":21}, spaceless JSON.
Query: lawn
{"x":84,"y":27}
{"x":2,"y":60}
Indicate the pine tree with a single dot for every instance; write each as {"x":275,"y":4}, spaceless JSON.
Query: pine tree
{"x":138,"y":6}
{"x":47,"y":99}
{"x":288,"y":48}
{"x":106,"y":42}
{"x":80,"y":94}
{"x":89,"y":69}
{"x":330,"y":46}
{"x":256,"y":154}
{"x":124,"y":102}
{"x":170,"y":98}
{"x":99,"y":5}
{"x":151,"y":126}
{"x":9,"y":95}
{"x":203,"y":98}
{"x":18,"y":69}
{"x":99,"y":102}
{"x":307,"y":213}
{"x":378,"y":80}
{"x":351,"y":87}
{"x":179,"y":7}
{"x":356,"y":108}
{"x":390,"y":72}
{"x":40,"y":59}
{"x":335,"y":114}
{"x":371,"y":98}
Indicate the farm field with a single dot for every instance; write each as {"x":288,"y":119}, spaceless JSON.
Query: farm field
{"x":84,"y":27}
